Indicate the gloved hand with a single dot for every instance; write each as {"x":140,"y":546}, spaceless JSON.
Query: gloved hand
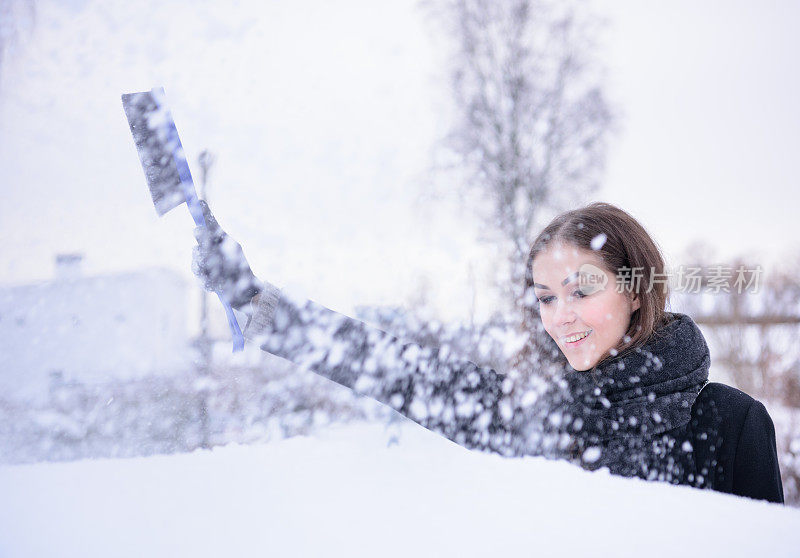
{"x":218,"y":260}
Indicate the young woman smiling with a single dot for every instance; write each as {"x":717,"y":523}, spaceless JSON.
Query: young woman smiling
{"x":630,"y":393}
{"x":585,"y":324}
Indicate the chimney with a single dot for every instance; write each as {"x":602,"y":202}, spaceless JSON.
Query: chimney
{"x":68,"y":266}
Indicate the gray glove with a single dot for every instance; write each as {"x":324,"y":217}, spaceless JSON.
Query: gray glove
{"x":218,"y":260}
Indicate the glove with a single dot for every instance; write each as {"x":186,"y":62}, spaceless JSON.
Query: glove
{"x":218,"y":260}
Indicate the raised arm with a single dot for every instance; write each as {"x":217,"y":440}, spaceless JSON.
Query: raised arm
{"x":453,"y":397}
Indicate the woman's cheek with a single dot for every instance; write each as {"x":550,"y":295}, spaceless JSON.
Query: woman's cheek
{"x":592,"y":311}
{"x":545,"y":319}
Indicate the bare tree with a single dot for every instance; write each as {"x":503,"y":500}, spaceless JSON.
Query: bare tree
{"x":752,"y":329}
{"x":532,"y":122}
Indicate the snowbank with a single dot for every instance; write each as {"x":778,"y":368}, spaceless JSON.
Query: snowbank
{"x":350,"y":492}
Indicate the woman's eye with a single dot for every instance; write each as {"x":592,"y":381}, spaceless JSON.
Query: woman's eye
{"x":549,"y":299}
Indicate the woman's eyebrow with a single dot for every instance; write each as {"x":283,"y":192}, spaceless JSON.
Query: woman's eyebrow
{"x":569,"y":278}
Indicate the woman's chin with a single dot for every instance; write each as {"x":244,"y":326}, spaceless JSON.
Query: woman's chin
{"x":581,"y":365}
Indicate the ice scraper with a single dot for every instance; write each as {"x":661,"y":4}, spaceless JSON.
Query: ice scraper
{"x":165,"y":167}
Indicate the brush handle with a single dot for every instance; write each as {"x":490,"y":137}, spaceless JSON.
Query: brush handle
{"x":238,"y":338}
{"x":192,"y":202}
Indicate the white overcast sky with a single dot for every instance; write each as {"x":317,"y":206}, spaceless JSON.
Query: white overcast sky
{"x":711,"y":122}
{"x":324,"y":119}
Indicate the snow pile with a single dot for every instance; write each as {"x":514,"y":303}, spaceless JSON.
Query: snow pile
{"x":350,"y":493}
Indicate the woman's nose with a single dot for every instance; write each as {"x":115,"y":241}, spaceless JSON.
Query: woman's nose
{"x":564,"y":313}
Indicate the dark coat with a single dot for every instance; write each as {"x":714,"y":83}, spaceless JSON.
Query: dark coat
{"x":734,"y":444}
{"x":728,"y":445}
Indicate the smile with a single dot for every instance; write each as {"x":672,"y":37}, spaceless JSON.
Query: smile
{"x":572,"y":339}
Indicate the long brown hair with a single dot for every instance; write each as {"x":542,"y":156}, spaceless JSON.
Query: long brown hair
{"x":627,"y":246}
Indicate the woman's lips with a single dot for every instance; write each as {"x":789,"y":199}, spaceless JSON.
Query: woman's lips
{"x":579,"y":341}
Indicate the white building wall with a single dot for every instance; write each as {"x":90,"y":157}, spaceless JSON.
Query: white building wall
{"x":92,"y":329}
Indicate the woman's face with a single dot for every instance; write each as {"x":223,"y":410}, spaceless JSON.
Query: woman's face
{"x":577,"y":295}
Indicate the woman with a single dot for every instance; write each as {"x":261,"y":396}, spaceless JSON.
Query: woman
{"x":631,"y":392}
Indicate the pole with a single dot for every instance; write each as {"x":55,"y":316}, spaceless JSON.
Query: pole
{"x":206,"y":161}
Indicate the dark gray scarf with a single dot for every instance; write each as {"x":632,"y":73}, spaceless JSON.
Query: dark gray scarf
{"x":630,"y":399}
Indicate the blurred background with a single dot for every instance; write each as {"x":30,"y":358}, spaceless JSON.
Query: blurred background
{"x":391,"y":161}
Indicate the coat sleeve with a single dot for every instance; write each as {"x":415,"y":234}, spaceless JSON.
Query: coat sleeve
{"x":756,"y":470}
{"x":453,"y":397}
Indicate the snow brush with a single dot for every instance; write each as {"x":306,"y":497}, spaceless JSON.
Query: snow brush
{"x":166,"y":169}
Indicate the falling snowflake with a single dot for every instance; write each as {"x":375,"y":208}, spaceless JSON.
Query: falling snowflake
{"x":599,"y":241}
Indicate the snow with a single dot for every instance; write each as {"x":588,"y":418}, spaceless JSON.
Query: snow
{"x":599,"y":241}
{"x":592,"y":454}
{"x":351,"y":491}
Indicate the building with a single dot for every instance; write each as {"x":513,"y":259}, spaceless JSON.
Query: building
{"x":92,"y":329}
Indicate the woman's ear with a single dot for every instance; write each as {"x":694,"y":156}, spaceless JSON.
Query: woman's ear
{"x":636,"y":302}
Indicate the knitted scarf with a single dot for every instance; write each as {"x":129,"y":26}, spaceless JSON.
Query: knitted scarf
{"x":625,"y":402}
